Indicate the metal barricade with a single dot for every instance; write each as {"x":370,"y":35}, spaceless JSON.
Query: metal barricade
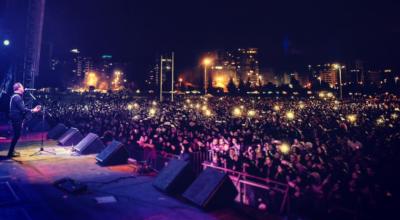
{"x":198,"y":158}
{"x":244,"y":182}
{"x":157,"y":160}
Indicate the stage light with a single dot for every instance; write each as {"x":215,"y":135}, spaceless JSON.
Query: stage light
{"x":6,"y":42}
{"x":329,"y":95}
{"x":188,"y":101}
{"x":251,"y":113}
{"x":204,"y":108}
{"x":237,"y":112}
{"x":154,"y":103}
{"x":394,"y":116}
{"x":284,"y":148}
{"x":129,"y":107}
{"x":352,"y":118}
{"x":197,"y":106}
{"x":321,"y":94}
{"x":290,"y":115}
{"x":277,"y":108}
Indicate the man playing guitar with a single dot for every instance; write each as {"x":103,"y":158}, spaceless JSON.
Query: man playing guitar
{"x":18,"y":112}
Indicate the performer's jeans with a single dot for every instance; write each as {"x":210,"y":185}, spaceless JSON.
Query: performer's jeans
{"x":17,"y":126}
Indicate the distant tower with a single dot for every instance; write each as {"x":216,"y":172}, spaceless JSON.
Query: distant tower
{"x":33,"y":41}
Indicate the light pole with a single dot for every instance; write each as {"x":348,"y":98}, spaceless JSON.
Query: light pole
{"x":172,"y":75}
{"x":161,"y":79}
{"x":339,"y":67}
{"x":180,"y":83}
{"x":206,"y":62}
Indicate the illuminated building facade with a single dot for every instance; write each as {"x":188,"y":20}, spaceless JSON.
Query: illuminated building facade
{"x":223,"y":70}
{"x":247,"y":66}
{"x":374,"y":76}
{"x":80,"y":66}
{"x":330,"y":77}
{"x":325,"y":73}
{"x":154,"y":74}
{"x":238,"y":65}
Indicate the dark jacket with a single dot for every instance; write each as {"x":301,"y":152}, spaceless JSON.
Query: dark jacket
{"x":18,"y":110}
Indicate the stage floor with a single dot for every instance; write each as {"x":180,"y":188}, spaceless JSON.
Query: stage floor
{"x":31,"y":194}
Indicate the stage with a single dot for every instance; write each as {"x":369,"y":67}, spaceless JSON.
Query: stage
{"x":29,"y":193}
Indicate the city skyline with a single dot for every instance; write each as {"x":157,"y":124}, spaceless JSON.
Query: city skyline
{"x":287,"y":38}
{"x":288,"y":34}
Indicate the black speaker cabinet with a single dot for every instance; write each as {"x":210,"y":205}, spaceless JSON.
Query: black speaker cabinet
{"x":89,"y":145}
{"x":175,"y":177}
{"x":113,"y":154}
{"x":57,"y":131}
{"x":211,"y":189}
{"x":71,"y":137}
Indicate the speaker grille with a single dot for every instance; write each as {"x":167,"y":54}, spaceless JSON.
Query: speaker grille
{"x":90,"y":144}
{"x":175,"y":177}
{"x":210,"y":188}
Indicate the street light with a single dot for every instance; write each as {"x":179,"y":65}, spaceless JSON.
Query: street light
{"x":180,"y":82}
{"x":339,"y":67}
{"x":207,"y":61}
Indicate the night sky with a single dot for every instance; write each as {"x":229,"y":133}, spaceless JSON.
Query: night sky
{"x":288,"y":33}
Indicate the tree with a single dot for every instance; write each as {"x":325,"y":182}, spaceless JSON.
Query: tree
{"x":295,"y":83}
{"x":241,"y":87}
{"x":231,"y":87}
{"x":248,"y":86}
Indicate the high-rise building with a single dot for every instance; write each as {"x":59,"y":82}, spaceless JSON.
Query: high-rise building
{"x":80,"y":66}
{"x":152,"y":77}
{"x":375,"y":76}
{"x":106,"y":65}
{"x":163,"y":64}
{"x":239,"y":65}
{"x":223,"y":69}
{"x":330,"y":77}
{"x":247,"y":66}
{"x":325,"y":73}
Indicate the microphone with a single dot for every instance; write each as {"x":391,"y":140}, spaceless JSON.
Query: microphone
{"x":30,"y":89}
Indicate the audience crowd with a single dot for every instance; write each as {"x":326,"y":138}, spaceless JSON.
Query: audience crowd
{"x":330,"y":153}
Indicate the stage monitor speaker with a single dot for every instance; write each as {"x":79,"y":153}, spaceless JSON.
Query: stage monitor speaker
{"x":211,"y":189}
{"x":113,"y":154}
{"x":71,"y":137}
{"x":89,"y":145}
{"x":175,"y":177}
{"x":57,"y":131}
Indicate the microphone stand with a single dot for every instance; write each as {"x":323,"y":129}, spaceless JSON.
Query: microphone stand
{"x":42,"y":150}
